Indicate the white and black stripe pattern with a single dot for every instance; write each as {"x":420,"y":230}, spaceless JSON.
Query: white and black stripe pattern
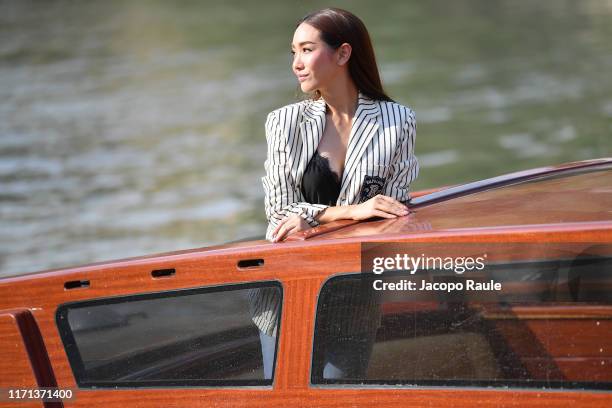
{"x":381,"y":144}
{"x":264,"y":306}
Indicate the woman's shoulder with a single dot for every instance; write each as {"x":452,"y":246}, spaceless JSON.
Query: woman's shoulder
{"x":406,"y":112}
{"x":298,"y":109}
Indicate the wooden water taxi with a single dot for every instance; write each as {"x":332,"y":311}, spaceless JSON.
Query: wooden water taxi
{"x":179,"y":329}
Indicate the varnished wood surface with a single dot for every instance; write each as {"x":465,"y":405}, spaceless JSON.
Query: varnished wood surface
{"x":15,"y":368}
{"x":338,"y":398}
{"x":320,"y":230}
{"x":302,"y":268}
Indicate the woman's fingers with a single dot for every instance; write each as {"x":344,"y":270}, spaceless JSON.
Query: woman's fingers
{"x":391,"y":207}
{"x":393,"y":202}
{"x":284,"y":232}
{"x":381,"y":206}
{"x":286,"y":227}
{"x":280,"y":234}
{"x":279,"y":226}
{"x":383,"y":214}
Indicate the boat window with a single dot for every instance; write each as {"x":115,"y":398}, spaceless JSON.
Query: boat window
{"x":209,"y":336}
{"x":549,"y":326}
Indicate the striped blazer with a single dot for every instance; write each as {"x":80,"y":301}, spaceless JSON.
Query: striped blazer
{"x":379,"y":159}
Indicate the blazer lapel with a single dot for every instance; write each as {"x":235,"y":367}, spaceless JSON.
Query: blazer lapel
{"x":311,"y":131}
{"x":365,"y":126}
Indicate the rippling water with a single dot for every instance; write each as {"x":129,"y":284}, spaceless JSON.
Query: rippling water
{"x":128,"y":128}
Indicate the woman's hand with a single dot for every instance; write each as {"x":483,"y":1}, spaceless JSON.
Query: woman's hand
{"x":378,"y":206}
{"x":289,"y":225}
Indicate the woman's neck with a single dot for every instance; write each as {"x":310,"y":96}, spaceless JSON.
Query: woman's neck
{"x":342,"y":99}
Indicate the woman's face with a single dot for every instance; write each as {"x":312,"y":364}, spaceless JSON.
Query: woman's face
{"x":314,"y":62}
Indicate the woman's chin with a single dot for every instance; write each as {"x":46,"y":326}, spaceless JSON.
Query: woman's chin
{"x":306,"y":89}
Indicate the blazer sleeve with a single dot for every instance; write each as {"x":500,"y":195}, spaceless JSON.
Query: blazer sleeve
{"x":282,"y":197}
{"x":405,"y":167}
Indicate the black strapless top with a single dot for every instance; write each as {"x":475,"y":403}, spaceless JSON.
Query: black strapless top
{"x":320,"y":185}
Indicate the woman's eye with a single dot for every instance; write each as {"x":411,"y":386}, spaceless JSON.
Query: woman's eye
{"x":306,"y":50}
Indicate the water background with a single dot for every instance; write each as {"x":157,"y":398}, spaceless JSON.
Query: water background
{"x":132,"y":127}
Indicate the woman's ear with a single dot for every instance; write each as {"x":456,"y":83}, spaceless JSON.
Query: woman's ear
{"x":344,"y":53}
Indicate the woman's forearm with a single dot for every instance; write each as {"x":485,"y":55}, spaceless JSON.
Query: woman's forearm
{"x":340,"y":212}
{"x":378,"y":206}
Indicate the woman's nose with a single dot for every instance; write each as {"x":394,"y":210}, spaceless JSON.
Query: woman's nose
{"x":297,"y":62}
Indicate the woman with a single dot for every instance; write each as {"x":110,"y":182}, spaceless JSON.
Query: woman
{"x":346,"y":153}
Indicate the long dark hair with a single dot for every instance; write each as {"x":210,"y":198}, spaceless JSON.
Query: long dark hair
{"x":338,"y":26}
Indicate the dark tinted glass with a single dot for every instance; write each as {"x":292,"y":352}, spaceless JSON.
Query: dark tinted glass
{"x":203,"y":336}
{"x":550,"y":326}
